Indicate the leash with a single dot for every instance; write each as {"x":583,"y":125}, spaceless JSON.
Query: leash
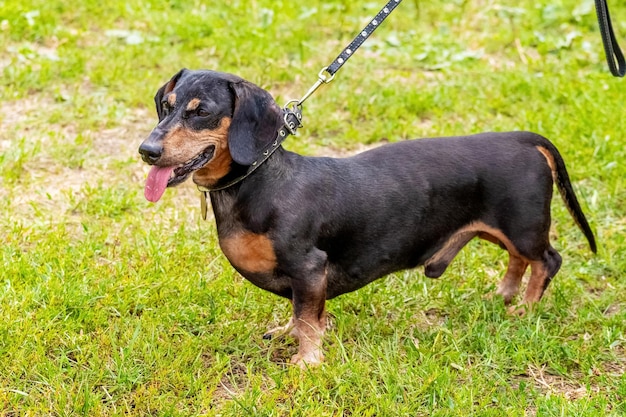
{"x":611,"y":48}
{"x":327,"y":74}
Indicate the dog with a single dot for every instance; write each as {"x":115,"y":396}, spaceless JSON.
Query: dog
{"x":312,"y":228}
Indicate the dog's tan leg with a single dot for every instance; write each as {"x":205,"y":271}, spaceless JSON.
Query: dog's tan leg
{"x":509,"y":286}
{"x":534,"y":291}
{"x":537,"y":283}
{"x":309,"y":334}
{"x":309,"y":299}
{"x":542,"y":272}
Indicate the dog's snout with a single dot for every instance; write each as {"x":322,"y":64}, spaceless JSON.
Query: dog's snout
{"x":150,"y":152}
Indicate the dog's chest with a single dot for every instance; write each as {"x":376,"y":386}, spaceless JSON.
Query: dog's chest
{"x":249,"y":252}
{"x":253,"y":256}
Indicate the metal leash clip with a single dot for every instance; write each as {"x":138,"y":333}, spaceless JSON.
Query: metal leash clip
{"x":323,"y":77}
{"x":294,"y":107}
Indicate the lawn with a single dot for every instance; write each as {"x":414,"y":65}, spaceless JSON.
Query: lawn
{"x":114,"y":306}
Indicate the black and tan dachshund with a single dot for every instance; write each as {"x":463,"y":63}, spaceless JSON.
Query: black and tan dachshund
{"x":312,"y":228}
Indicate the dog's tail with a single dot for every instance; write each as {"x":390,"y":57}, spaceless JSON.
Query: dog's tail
{"x":561,"y":178}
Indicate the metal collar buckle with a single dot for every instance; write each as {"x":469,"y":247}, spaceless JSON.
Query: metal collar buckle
{"x":293,"y":116}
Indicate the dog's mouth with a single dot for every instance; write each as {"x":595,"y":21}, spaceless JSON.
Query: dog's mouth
{"x":159,"y":178}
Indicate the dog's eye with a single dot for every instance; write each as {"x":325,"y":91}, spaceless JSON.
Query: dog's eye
{"x":165,"y":108}
{"x":203,"y":113}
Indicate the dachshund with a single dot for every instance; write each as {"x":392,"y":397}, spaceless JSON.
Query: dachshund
{"x":312,"y":228}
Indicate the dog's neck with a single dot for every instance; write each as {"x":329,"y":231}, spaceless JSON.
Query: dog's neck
{"x":228,"y":187}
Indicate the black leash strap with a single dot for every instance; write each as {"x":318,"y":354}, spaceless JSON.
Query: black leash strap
{"x":362,"y":37}
{"x":611,"y":48}
{"x":327,"y":74}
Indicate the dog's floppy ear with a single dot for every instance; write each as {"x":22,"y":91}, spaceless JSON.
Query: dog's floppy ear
{"x":166,"y":89}
{"x":255,"y":122}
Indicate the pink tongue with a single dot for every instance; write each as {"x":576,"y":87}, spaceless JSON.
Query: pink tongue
{"x":157,"y":182}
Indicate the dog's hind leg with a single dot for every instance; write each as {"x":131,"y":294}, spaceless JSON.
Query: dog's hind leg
{"x":509,"y":286}
{"x":542,"y":272}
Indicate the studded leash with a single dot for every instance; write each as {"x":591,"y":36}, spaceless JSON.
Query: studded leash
{"x":327,"y":74}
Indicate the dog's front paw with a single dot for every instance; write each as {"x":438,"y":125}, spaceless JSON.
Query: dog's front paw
{"x":308,"y":359}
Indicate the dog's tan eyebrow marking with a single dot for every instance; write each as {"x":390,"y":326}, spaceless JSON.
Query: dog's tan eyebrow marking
{"x":171,"y":99}
{"x":193,"y":104}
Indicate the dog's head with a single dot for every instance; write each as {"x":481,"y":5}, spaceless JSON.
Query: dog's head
{"x":208,"y":122}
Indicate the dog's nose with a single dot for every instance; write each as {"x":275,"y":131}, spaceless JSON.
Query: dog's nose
{"x":150,"y":152}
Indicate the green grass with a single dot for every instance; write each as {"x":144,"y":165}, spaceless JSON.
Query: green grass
{"x":113,"y":306}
